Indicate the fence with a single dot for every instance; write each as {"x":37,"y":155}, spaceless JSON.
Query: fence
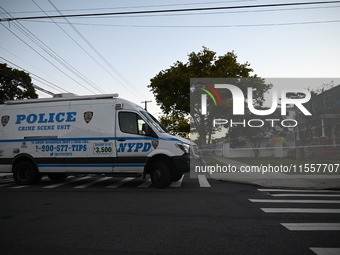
{"x":323,"y":147}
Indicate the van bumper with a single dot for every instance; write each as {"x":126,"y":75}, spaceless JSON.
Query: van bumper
{"x":182,"y":163}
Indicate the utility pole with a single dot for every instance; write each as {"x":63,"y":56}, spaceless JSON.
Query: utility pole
{"x":146,"y":104}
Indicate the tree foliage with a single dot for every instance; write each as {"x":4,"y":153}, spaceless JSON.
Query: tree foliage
{"x":176,"y":124}
{"x":15,"y":84}
{"x":171,"y":87}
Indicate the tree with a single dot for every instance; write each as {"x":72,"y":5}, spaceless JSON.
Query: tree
{"x":171,"y":87}
{"x":176,"y":124}
{"x":15,"y":84}
{"x":264,"y":127}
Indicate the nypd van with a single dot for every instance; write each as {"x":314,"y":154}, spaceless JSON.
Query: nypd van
{"x":100,"y":134}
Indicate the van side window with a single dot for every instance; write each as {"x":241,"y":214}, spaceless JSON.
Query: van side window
{"x":131,"y":123}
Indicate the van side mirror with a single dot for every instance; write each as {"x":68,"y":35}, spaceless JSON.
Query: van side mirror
{"x":147,"y":130}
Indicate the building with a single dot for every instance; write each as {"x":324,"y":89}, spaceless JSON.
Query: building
{"x":318,"y":136}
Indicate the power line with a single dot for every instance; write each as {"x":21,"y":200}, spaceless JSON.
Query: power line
{"x":14,"y":76}
{"x":38,"y":78}
{"x":169,"y":10}
{"x":47,"y":50}
{"x":138,"y":6}
{"x":42,"y":56}
{"x":205,"y":26}
{"x":198,"y":13}
{"x":43,"y":90}
{"x":132,"y":88}
{"x":81,"y":76}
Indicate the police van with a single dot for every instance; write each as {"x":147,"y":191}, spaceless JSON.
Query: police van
{"x":99,"y":134}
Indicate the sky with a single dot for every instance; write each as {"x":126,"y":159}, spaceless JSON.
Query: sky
{"x":121,"y":53}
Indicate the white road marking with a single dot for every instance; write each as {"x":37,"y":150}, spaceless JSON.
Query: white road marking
{"x":312,"y":226}
{"x":145,"y":184}
{"x":177,"y":184}
{"x":325,"y":251}
{"x":6,"y":181}
{"x":300,"y":190}
{"x":203,"y":181}
{"x":6,"y":184}
{"x":305,"y":195}
{"x":120,"y":183}
{"x":299,"y":210}
{"x":66,"y":182}
{"x":92,"y":183}
{"x":19,"y":187}
{"x":294,"y":201}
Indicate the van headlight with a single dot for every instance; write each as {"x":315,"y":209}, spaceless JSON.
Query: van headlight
{"x":184,"y":147}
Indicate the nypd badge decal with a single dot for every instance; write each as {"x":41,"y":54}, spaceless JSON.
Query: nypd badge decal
{"x":154,"y":143}
{"x":88,"y":116}
{"x":4,"y":120}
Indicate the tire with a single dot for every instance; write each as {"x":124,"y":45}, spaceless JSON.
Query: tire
{"x":25,"y":173}
{"x":176,"y":177}
{"x":57,"y":176}
{"x":160,"y":175}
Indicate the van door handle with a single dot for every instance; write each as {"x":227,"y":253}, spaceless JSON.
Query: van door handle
{"x":121,"y":140}
{"x":105,"y":140}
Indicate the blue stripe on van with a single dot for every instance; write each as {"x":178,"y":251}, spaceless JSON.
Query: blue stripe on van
{"x":75,"y":165}
{"x":130,"y":165}
{"x":87,"y":138}
{"x":91,"y":165}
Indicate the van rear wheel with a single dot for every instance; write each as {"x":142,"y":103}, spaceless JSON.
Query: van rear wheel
{"x":160,"y":175}
{"x":25,"y":173}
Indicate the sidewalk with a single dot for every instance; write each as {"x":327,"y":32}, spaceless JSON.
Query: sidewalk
{"x":277,"y":180}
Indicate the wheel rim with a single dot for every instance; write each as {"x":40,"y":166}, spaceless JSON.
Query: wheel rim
{"x":157,"y":175}
{"x":23,"y":174}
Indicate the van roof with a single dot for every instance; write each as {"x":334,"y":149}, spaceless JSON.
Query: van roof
{"x":60,"y":97}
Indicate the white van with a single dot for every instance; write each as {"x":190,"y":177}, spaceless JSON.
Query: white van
{"x":100,"y":134}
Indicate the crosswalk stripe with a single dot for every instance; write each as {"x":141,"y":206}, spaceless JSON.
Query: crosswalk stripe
{"x":202,"y":179}
{"x":120,"y":183}
{"x":145,"y":184}
{"x":66,"y":182}
{"x":312,"y":226}
{"x":300,"y":190}
{"x":19,"y":187}
{"x":305,"y":195}
{"x":299,"y":210}
{"x":294,"y":201}
{"x":325,"y":251}
{"x":92,"y":183}
{"x":6,"y":181}
{"x":305,"y":226}
{"x":6,"y":184}
{"x":177,"y":184}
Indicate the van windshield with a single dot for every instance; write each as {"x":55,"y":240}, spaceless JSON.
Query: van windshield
{"x":154,"y":122}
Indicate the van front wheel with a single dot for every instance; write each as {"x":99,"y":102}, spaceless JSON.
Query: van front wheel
{"x":25,"y":173}
{"x":160,"y":175}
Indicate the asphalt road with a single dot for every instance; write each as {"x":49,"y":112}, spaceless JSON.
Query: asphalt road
{"x":98,"y":215}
